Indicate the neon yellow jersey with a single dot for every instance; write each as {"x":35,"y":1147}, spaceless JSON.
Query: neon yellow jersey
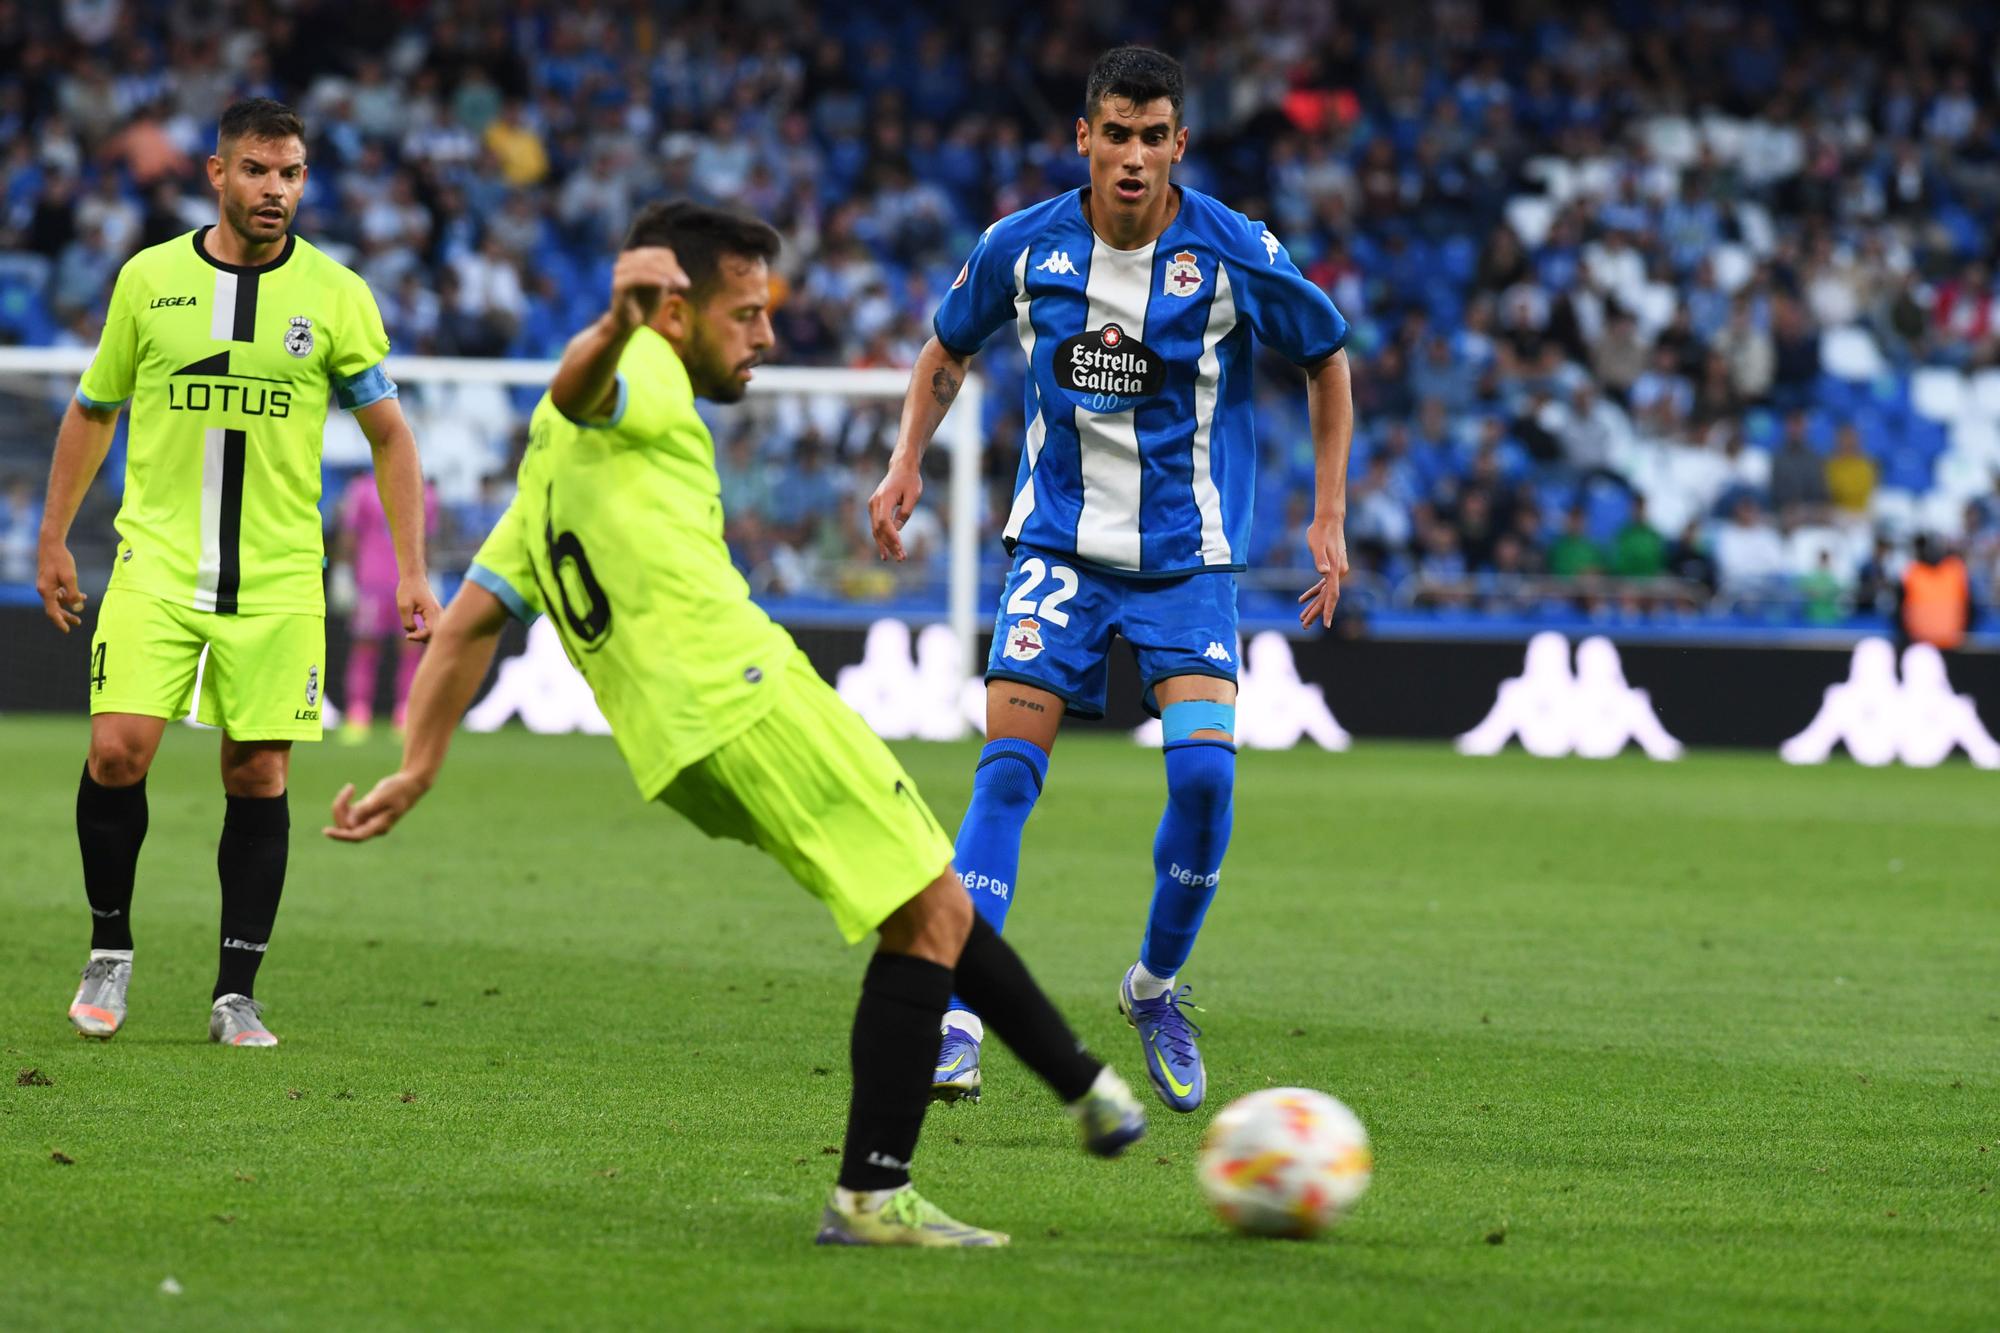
{"x":616,"y":532}
{"x":229,"y":371}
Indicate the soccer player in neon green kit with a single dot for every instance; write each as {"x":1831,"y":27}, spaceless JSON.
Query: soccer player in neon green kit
{"x":616,"y":534}
{"x":229,"y":343}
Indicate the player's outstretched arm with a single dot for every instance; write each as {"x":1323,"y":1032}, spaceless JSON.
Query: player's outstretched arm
{"x":448,"y":676}
{"x":81,"y":444}
{"x":934,"y":384}
{"x":585,"y":386}
{"x":399,"y":480}
{"x":1330,"y":410}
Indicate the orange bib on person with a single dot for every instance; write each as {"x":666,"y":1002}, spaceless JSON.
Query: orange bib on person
{"x":1934,"y":599}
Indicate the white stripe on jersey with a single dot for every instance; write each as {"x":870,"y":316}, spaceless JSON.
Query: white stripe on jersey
{"x":208,"y":567}
{"x":1207,"y":384}
{"x":222,"y":317}
{"x":1107,"y":526}
{"x":1024,"y":327}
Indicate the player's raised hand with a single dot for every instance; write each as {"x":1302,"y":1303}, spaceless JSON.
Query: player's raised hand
{"x":377,"y":812}
{"x":641,"y":279}
{"x":418,"y":606}
{"x":890,"y":507}
{"x":1327,"y":540}
{"x":55,"y":580}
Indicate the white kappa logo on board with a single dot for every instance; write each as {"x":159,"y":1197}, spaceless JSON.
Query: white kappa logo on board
{"x":1024,"y":640}
{"x":1183,"y":275}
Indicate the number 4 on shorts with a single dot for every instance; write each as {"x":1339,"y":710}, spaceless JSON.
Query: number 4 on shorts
{"x":97,"y":668}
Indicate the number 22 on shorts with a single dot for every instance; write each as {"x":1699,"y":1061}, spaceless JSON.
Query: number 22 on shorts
{"x":1033,"y":571}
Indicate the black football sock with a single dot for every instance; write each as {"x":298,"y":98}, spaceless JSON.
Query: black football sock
{"x":994,"y":981}
{"x":256,"y":833}
{"x":110,"y":826}
{"x":894,"y":1050}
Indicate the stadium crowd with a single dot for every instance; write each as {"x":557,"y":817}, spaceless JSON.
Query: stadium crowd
{"x":1656,"y":306}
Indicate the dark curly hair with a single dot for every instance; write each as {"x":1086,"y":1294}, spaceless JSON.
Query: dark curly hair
{"x":700,"y":236}
{"x":1138,"y":74}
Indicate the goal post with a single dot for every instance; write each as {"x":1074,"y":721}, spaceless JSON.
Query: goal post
{"x":960,"y":433}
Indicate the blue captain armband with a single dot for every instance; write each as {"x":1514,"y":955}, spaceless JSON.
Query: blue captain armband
{"x":370,"y":386}
{"x":517,"y":606}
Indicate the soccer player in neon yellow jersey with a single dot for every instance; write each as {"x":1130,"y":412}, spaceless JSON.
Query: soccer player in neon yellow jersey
{"x":616,"y":534}
{"x":229,"y":343}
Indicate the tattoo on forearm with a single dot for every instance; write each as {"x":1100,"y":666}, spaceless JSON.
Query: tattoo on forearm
{"x":944,"y":388}
{"x":1023,"y":703}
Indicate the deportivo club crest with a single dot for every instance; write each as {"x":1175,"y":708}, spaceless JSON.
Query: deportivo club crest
{"x":1024,"y":640}
{"x":312,"y":678}
{"x":299,"y":337}
{"x":1183,"y":275}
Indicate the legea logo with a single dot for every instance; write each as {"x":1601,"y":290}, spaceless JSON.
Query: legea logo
{"x":1880,"y":719}
{"x":1594,"y":713}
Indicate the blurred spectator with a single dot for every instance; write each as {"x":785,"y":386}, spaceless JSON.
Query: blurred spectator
{"x":1574,"y":554}
{"x":1601,"y":246}
{"x":1820,"y":589}
{"x":1850,"y":475}
{"x":1638,"y":551}
{"x":1798,"y":475}
{"x":1936,"y":606}
{"x":1749,"y":554}
{"x":1688,"y":558}
{"x":1750,"y":352}
{"x":20,"y":531}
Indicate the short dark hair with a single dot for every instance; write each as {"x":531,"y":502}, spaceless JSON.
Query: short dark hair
{"x":258,"y":118}
{"x":700,"y":236}
{"x":1137,"y":73}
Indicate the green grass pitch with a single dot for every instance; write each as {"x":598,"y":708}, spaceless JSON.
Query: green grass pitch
{"x":1705,"y":1045}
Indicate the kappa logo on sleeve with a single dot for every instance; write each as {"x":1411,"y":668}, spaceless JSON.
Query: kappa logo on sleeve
{"x":1272,"y":246}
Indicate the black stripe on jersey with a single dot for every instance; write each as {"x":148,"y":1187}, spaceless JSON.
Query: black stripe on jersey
{"x":229,"y":569}
{"x":245,"y":328}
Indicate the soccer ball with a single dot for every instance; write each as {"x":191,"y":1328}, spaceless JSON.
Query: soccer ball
{"x":1285,"y":1162}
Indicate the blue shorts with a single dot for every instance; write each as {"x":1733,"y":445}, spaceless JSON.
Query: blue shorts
{"x":1057,"y":616}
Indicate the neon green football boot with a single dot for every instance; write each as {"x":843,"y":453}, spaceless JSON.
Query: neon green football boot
{"x":904,"y":1218}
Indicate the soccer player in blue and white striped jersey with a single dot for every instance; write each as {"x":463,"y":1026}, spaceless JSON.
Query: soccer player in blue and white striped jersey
{"x":1135,"y":301}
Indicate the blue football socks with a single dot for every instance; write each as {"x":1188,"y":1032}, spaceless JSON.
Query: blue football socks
{"x":988,"y":854}
{"x":1187,"y":852}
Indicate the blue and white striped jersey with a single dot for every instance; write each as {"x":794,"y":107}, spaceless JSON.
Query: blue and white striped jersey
{"x":1140,"y":454}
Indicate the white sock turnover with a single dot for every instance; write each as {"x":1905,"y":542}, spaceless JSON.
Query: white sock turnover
{"x":1146,"y":986}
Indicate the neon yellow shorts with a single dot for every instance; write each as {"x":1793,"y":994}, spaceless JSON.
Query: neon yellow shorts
{"x":810,"y":784}
{"x":262,"y":680}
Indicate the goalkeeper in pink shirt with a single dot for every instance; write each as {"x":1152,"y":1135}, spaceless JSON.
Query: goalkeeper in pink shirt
{"x":364,"y":589}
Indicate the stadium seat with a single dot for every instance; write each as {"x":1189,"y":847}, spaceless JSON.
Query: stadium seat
{"x":1908,"y":468}
{"x":1985,"y":393}
{"x":1937,"y":392}
{"x":1974,"y":434}
{"x":1807,"y":543}
{"x":1531,"y":216}
{"x":1733,"y":265}
{"x":1850,"y":353}
{"x":1893,"y":510}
